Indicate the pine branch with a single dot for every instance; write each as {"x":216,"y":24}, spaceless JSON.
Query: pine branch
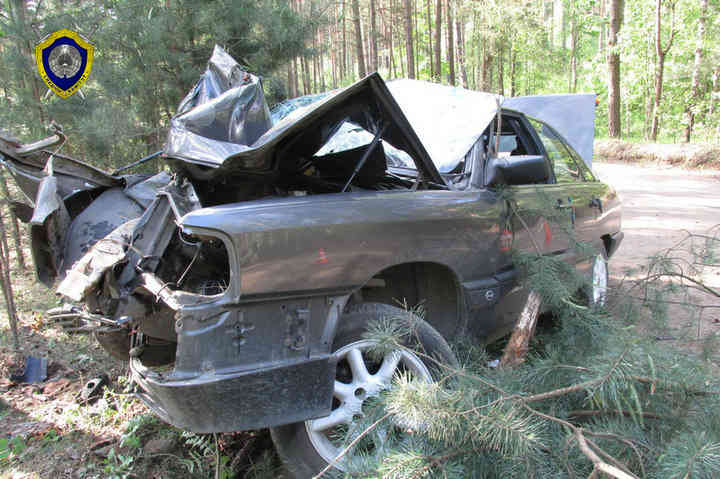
{"x":603,"y":412}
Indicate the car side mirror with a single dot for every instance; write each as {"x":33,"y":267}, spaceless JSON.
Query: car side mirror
{"x":516,"y":170}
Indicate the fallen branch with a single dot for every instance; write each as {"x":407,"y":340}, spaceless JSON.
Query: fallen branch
{"x":517,"y":347}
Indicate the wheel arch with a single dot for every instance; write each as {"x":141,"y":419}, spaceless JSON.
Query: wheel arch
{"x":430,"y":287}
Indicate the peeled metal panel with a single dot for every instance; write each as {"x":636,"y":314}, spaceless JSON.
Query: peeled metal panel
{"x":573,"y":116}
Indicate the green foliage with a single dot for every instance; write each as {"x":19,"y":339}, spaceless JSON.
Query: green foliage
{"x":118,"y":466}
{"x":643,"y":405}
{"x":148,"y":55}
{"x":11,"y":448}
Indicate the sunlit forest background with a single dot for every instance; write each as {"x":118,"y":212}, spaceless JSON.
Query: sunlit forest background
{"x":654,"y":64}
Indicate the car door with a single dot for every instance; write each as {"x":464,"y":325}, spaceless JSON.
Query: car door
{"x":540,"y":213}
{"x":575,"y":189}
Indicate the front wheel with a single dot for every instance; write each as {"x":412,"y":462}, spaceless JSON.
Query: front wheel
{"x":308,"y":447}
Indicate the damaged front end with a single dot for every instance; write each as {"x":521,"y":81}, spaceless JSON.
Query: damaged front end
{"x":160,"y":281}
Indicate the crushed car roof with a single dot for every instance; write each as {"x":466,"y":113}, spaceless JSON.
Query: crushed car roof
{"x":225,"y":123}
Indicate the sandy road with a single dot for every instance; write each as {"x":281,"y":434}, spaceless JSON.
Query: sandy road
{"x":659,"y":205}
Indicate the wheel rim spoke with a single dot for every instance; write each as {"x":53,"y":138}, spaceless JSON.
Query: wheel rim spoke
{"x":343,"y":391}
{"x":357,"y":366}
{"x":389,"y":366}
{"x":337,"y":417}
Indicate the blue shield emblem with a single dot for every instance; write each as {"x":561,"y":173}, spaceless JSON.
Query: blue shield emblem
{"x":64,"y":60}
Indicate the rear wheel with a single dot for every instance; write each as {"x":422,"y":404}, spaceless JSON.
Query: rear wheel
{"x":308,"y":447}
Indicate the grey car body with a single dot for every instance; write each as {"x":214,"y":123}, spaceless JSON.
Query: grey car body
{"x":232,"y":273}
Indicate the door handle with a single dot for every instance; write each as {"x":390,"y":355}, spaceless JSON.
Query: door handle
{"x":568,"y":206}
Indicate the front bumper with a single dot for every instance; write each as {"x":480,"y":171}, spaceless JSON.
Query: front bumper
{"x":240,"y":401}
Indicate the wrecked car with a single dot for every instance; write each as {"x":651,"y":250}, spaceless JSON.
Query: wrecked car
{"x":238,"y":280}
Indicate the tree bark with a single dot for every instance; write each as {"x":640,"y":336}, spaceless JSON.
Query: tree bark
{"x":613,"y":61}
{"x":17,"y":238}
{"x":438,"y":40}
{"x":7,"y":285}
{"x":517,"y":348}
{"x":373,"y":36}
{"x":513,"y":68}
{"x":500,"y":67}
{"x":431,"y":58}
{"x":393,"y":72}
{"x":714,"y":91}
{"x":559,"y":24}
{"x":343,"y":60}
{"x":460,"y":27}
{"x":661,"y":53}
{"x":573,"y":55}
{"x":409,"y":51}
{"x":450,"y":44}
{"x":359,"y":40}
{"x":694,"y":93}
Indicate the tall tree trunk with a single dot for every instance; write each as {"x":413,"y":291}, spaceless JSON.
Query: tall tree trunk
{"x":559,"y":24}
{"x":296,"y":77}
{"x":373,"y":36}
{"x":613,"y":61}
{"x":393,"y":72}
{"x":7,"y":285}
{"x":450,"y":44}
{"x":714,"y":91}
{"x":359,"y":40}
{"x":438,"y":40}
{"x":17,"y":238}
{"x":513,"y":66}
{"x":487,"y":61}
{"x":601,"y":36}
{"x":460,"y":27}
{"x":500,"y":67}
{"x":661,"y":53}
{"x":428,"y":4}
{"x":573,"y":55}
{"x":343,"y":60}
{"x":409,"y":52}
{"x":307,"y":88}
{"x":694,"y":93}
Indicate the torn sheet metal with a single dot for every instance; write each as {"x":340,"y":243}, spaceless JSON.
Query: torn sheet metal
{"x":223,"y":115}
{"x":145,"y":190}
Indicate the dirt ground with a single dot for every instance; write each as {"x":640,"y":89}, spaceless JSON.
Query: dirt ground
{"x":660,"y":205}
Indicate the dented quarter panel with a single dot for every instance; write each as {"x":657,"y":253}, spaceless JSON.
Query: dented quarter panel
{"x":339,"y":241}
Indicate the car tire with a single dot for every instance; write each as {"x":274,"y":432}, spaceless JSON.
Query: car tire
{"x":301,"y":448}
{"x":599,"y":276}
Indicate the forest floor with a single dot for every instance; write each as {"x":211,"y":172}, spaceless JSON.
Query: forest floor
{"x":46,"y":432}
